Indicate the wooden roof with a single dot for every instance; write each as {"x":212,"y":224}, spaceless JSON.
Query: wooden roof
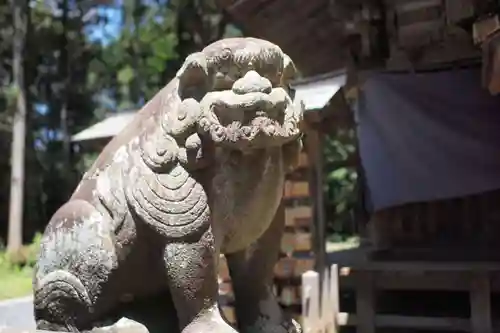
{"x":304,"y":29}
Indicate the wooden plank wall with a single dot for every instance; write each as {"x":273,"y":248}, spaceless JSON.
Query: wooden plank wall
{"x":471,"y":222}
{"x":296,"y":255}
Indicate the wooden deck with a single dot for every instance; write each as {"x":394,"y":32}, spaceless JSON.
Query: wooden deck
{"x":367,"y":277}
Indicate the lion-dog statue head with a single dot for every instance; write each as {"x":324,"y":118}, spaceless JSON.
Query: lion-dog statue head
{"x":241,"y":89}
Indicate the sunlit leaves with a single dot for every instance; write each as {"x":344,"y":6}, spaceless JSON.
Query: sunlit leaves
{"x":156,"y":64}
{"x":125,"y":75}
{"x":164,"y":46}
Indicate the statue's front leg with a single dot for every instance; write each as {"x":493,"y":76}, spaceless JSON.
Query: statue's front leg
{"x":191,"y":270}
{"x":251,"y":270}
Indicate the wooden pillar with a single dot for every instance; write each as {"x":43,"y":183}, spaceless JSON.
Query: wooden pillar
{"x":480,"y":303}
{"x":314,"y":149}
{"x":365,"y":302}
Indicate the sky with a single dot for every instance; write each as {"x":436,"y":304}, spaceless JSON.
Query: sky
{"x":106,"y":32}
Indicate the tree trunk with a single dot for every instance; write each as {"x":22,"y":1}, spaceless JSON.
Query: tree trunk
{"x":65,"y":79}
{"x":14,"y":240}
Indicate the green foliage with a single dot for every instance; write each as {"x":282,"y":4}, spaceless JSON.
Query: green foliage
{"x":132,"y":67}
{"x":10,"y":93}
{"x":85,"y":162}
{"x":32,"y":250}
{"x":16,"y":279}
{"x":341,"y":182}
{"x":125,"y":75}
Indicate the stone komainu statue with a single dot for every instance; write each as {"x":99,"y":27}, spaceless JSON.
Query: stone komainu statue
{"x":198,"y":172}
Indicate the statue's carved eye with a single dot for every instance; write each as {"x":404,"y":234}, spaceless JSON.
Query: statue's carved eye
{"x":224,"y":61}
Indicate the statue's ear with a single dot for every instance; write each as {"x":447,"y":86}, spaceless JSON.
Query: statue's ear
{"x":193,"y":75}
{"x":289,"y":70}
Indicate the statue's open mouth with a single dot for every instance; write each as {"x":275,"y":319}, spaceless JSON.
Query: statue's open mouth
{"x":250,"y":120}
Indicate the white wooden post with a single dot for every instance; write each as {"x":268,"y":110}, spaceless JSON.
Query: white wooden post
{"x":334,"y":296}
{"x":320,"y":317}
{"x":327,"y":320}
{"x":310,"y":302}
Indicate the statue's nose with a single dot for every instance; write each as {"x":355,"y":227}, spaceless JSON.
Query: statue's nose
{"x":252,"y":82}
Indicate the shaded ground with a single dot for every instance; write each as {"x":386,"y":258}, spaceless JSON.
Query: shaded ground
{"x":17,"y":313}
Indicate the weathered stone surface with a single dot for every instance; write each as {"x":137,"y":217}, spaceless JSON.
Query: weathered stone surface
{"x":124,"y":325}
{"x":199,"y":172}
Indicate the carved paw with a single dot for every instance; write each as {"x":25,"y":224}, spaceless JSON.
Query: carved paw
{"x":209,"y":328}
{"x":264,"y":326}
{"x":210,"y":323}
{"x":124,"y":325}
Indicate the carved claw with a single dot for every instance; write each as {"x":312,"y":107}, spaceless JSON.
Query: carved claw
{"x":182,"y":121}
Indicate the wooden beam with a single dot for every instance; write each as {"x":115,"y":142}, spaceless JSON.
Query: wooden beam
{"x":395,"y":281}
{"x":356,"y":259}
{"x":298,"y":20}
{"x":324,"y":59}
{"x":409,"y":322}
